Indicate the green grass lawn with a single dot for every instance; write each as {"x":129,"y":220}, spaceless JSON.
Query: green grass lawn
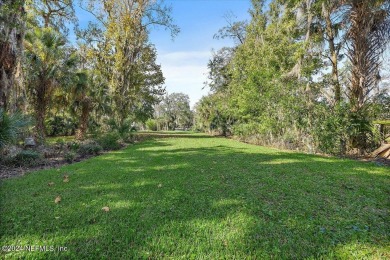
{"x":197,"y":197}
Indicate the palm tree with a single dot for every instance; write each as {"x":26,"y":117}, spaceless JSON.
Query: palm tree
{"x":50,"y":65}
{"x":368,"y":35}
{"x":82,"y":102}
{"x":11,"y":126}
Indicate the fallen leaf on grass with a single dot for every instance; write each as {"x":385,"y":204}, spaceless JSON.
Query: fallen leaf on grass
{"x":106,"y":209}
{"x":58,"y":199}
{"x":66,"y":178}
{"x":50,"y":184}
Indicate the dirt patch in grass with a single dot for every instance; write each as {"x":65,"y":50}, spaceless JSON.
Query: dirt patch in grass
{"x":49,"y":163}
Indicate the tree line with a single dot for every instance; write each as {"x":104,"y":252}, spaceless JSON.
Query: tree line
{"x":106,"y":77}
{"x":303,"y":74}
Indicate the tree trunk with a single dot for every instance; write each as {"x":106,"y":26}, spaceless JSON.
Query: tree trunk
{"x":83,"y":125}
{"x":40,"y":121}
{"x":40,"y":110}
{"x":11,"y":39}
{"x":360,"y":53}
{"x":368,"y":36}
{"x":8,"y":66}
{"x":330,"y":37}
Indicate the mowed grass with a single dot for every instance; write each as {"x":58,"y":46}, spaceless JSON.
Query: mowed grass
{"x":201,"y":198}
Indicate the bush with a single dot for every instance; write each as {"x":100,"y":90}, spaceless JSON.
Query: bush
{"x":109,"y":141}
{"x":11,"y":126}
{"x":123,"y":129}
{"x":60,"y":126}
{"x":128,"y":138}
{"x":73,"y":146}
{"x":70,"y":156}
{"x":151,"y":125}
{"x":90,"y":149}
{"x":343,"y":131}
{"x":25,"y":158}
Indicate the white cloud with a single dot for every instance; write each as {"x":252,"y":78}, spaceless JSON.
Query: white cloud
{"x":185,"y":58}
{"x":185,"y":72}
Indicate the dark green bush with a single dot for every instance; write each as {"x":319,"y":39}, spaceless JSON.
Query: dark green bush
{"x":109,"y":141}
{"x":25,"y":158}
{"x":90,"y":149}
{"x":70,"y":156}
{"x":151,"y":125}
{"x":123,"y":129}
{"x":60,"y":126}
{"x":128,"y":138}
{"x":73,"y":146}
{"x":11,"y":127}
{"x":342,"y":131}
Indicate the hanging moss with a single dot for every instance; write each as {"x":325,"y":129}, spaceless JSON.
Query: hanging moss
{"x":11,"y":40}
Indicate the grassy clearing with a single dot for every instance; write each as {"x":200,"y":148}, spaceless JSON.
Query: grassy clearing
{"x":64,"y":139}
{"x":201,"y":198}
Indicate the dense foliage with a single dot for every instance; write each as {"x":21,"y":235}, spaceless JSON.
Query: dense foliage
{"x":105,"y":79}
{"x":172,"y":112}
{"x":303,"y":74}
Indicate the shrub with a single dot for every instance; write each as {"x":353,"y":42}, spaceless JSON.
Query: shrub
{"x":128,"y":138}
{"x":70,"y":156}
{"x":11,"y":126}
{"x":60,"y":126}
{"x":109,"y":141}
{"x":73,"y":146}
{"x":90,"y":149}
{"x":26,"y":158}
{"x":123,"y":129}
{"x":151,"y":125}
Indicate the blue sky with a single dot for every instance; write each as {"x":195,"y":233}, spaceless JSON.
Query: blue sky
{"x":184,"y":59}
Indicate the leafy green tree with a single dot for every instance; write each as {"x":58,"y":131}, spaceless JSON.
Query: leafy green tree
{"x":288,"y":83}
{"x":51,"y":13}
{"x":174,"y":111}
{"x":219,"y":75}
{"x":212,"y":114}
{"x":125,"y":57}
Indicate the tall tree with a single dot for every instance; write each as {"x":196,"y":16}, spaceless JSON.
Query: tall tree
{"x":174,"y":111}
{"x":50,"y":65}
{"x":12,"y":25}
{"x":52,"y":13}
{"x":219,"y":75}
{"x":330,"y":9}
{"x":368,"y":36}
{"x":82,"y":103}
{"x":125,"y":55}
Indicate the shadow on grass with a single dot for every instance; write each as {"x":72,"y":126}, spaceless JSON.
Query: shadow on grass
{"x":197,"y":198}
